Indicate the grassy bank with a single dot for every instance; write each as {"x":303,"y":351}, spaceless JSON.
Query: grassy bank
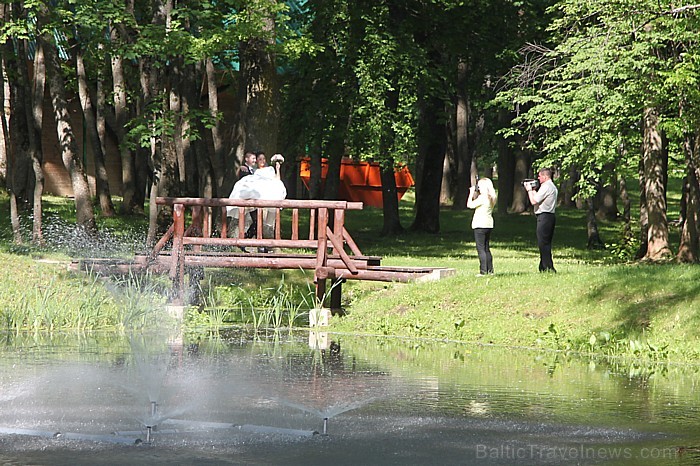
{"x":593,"y":304}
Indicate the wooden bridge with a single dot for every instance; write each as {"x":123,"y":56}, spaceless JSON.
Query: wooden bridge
{"x":326,"y":247}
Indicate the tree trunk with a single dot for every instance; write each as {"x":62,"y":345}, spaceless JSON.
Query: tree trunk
{"x":643,"y":213}
{"x":5,"y":149}
{"x":688,"y":245}
{"x":17,"y":132}
{"x":219,"y":169}
{"x":35,"y":123}
{"x":606,"y":199}
{"x":315,"y":173}
{"x":626,"y":209}
{"x":432,"y":141}
{"x":178,"y":105}
{"x":654,"y":156}
{"x":101,"y":180}
{"x":121,"y":116}
{"x":162,"y":157}
{"x":390,"y":201}
{"x":4,"y":133}
{"x":334,"y":152}
{"x":463,"y":153}
{"x":594,"y":239}
{"x":27,"y":99}
{"x":20,"y":128}
{"x":262,"y":117}
{"x":238,"y":130}
{"x":688,"y":249}
{"x":520,"y":202}
{"x":448,"y":186}
{"x":506,"y":168}
{"x":69,"y":147}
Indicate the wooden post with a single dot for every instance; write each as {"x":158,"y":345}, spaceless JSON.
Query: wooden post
{"x":338,"y":221}
{"x":177,"y":266}
{"x":295,"y":224}
{"x":259,"y":221}
{"x":278,"y":223}
{"x":197,"y":227}
{"x":312,"y":223}
{"x":206,"y":228}
{"x":241,"y":222}
{"x":224,"y":223}
{"x":321,"y":255}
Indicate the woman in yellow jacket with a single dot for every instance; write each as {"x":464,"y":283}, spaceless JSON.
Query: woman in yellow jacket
{"x":482,"y":198}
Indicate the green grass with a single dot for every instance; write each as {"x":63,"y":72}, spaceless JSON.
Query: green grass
{"x":594,"y":304}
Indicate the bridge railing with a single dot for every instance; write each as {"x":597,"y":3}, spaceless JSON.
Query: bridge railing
{"x":188,"y":234}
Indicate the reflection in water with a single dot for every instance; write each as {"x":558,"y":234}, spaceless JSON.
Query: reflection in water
{"x":379,"y":400}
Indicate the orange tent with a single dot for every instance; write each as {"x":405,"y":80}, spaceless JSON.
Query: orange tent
{"x":359,"y":181}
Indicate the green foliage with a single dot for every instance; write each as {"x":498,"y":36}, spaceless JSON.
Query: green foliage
{"x":582,"y":99}
{"x":625,"y":248}
{"x":157,"y":124}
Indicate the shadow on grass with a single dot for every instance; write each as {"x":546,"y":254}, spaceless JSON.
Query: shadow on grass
{"x":513,"y":232}
{"x":645,"y":293}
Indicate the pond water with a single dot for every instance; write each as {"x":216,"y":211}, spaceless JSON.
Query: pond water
{"x":317,"y":398}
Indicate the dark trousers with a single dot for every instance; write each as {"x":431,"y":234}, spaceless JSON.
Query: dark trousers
{"x":545,"y":233}
{"x":482,"y":237}
{"x":252,"y":231}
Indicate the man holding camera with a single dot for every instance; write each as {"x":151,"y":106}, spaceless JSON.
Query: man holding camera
{"x":544,"y":200}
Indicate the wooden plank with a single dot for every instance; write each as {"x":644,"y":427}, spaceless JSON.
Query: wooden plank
{"x":255,"y":203}
{"x":312,"y":224}
{"x":338,"y":222}
{"x":241,"y":221}
{"x":351,"y":243}
{"x":322,"y":248}
{"x":338,"y":245}
{"x":295,"y":223}
{"x":258,"y":260}
{"x":251,"y":242}
{"x":224,"y":223}
{"x":278,"y":223}
{"x":321,"y":256}
{"x":177,"y":266}
{"x":163,"y":241}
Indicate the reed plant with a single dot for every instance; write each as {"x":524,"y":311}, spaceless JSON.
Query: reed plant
{"x":54,"y":300}
{"x":261,"y":308}
{"x":141,"y":299}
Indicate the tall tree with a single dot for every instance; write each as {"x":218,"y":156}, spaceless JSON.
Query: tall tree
{"x":91,"y":127}
{"x":85,"y":217}
{"x":118,"y":39}
{"x":605,"y":86}
{"x":655,"y":163}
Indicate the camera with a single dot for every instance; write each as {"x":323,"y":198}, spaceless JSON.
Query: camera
{"x":534,"y":184}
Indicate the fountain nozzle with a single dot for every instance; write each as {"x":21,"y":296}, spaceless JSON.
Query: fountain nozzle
{"x":325,"y":426}
{"x":152,"y":424}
